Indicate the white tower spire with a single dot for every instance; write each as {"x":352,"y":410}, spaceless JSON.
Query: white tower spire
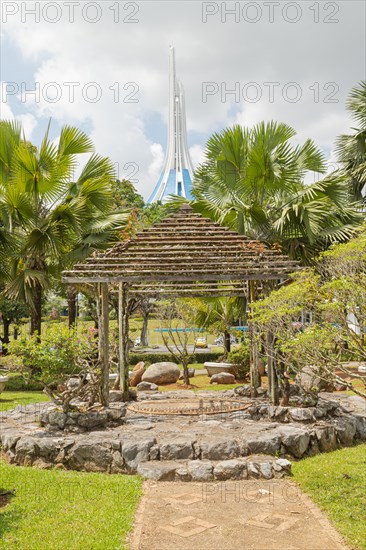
{"x":177,"y":173}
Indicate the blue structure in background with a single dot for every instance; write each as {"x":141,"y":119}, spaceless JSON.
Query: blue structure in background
{"x":177,"y":174}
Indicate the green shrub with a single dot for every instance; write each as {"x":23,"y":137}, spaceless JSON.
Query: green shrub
{"x":19,"y":383}
{"x":55,"y":357}
{"x":241,"y":357}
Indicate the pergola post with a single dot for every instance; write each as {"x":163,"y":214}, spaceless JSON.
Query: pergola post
{"x":104,"y":344}
{"x":123,"y":339}
{"x":272,"y":371}
{"x":255,"y":380}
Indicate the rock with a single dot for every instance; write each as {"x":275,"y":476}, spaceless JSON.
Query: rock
{"x":176,"y":449}
{"x":90,"y":456}
{"x":191,"y":373}
{"x":360,"y":426}
{"x":147,"y":386}
{"x":217,"y":449}
{"x":267,"y":444}
{"x":253,"y":470}
{"x":200,"y":470}
{"x":138,"y":366}
{"x":57,"y":419}
{"x":72,"y":383}
{"x":230,"y":469}
{"x":346,"y":427}
{"x":302,"y":415}
{"x":265,"y":469}
{"x":118,"y":465}
{"x":9,"y":440}
{"x":135,"y":452}
{"x":137,"y":374}
{"x":48,"y":448}
{"x":243,"y":391}
{"x":309,"y":380}
{"x":182,"y":474}
{"x":162,"y":373}
{"x":158,"y":471}
{"x":277,"y":413}
{"x":115,"y":396}
{"x":340,"y":387}
{"x":222,"y":378}
{"x":92,"y":419}
{"x":26,"y":451}
{"x":115,"y":415}
{"x":295,"y":440}
{"x":261,"y":392}
{"x":284,"y":464}
{"x":326,"y":436}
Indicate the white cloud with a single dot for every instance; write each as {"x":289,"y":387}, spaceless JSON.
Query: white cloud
{"x":224,"y":54}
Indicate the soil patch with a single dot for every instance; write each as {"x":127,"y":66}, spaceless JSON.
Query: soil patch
{"x":4,"y":498}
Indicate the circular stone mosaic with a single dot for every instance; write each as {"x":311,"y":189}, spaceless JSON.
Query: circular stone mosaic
{"x":189,"y":407}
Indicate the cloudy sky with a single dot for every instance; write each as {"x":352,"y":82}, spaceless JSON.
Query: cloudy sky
{"x":103,"y":66}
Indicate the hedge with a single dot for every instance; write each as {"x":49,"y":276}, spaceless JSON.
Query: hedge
{"x":160,"y":357}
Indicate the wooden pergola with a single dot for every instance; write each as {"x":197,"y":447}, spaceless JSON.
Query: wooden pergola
{"x":185,"y":255}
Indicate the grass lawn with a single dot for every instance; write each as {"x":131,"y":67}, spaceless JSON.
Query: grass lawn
{"x":55,"y":509}
{"x":337,"y":483}
{"x":10,"y":399}
{"x":200,"y":382}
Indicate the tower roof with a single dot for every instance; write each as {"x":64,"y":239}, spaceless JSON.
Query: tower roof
{"x":177,"y":174}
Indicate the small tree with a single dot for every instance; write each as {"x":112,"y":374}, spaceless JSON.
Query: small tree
{"x":61,"y":354}
{"x":335,"y":294}
{"x":175,"y":323}
{"x":219,"y":314}
{"x":11,"y":312}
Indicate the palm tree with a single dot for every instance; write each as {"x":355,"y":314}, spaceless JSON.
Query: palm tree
{"x":51,"y":218}
{"x":351,"y":149}
{"x":253,"y":180}
{"x":220,"y":314}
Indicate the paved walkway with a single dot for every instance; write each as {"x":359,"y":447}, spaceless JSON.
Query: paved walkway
{"x":242,"y":515}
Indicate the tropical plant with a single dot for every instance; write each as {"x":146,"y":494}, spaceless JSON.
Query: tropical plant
{"x":218,"y":315}
{"x":334,"y":292}
{"x":53,"y":219}
{"x":253,"y":181}
{"x":351,"y":149}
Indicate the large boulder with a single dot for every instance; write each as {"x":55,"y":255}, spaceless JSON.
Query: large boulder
{"x":162,"y":373}
{"x":309,"y":380}
{"x":137,"y":374}
{"x":222,"y":378}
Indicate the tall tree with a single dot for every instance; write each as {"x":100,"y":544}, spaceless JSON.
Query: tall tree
{"x":52,"y":218}
{"x":351,"y":149}
{"x":253,"y":180}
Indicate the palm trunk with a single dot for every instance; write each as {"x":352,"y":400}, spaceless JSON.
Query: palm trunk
{"x":227,"y":343}
{"x":71,"y":305}
{"x":5,"y":340}
{"x":36,"y":313}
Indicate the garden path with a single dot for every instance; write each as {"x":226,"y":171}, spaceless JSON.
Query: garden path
{"x":231,"y":515}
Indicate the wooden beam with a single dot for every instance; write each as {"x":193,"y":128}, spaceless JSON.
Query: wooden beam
{"x":123,"y":339}
{"x":104,"y":334}
{"x":272,"y":371}
{"x":255,"y":380}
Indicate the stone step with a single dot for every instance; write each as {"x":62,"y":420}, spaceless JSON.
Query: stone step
{"x":252,"y":467}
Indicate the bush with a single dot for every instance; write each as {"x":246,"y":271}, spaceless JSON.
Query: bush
{"x":55,"y":357}
{"x":161,"y":357}
{"x":19,"y":383}
{"x":241,"y":357}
